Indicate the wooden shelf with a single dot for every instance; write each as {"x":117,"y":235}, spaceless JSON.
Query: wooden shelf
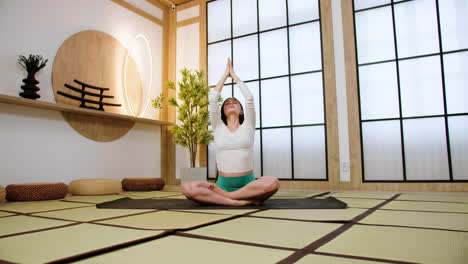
{"x":73,"y":109}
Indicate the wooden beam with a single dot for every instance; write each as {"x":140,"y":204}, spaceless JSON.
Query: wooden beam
{"x":189,"y":21}
{"x":138,"y":11}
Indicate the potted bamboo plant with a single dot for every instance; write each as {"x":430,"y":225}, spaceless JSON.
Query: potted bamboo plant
{"x":193,"y":117}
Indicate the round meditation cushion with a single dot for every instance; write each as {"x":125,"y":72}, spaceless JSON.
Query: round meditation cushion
{"x":95,"y":186}
{"x":142,"y":184}
{"x":2,"y":194}
{"x":36,"y":191}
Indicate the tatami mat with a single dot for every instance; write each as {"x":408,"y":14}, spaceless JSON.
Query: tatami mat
{"x":404,"y":244}
{"x":20,"y":223}
{"x":95,"y":198}
{"x":164,"y":220}
{"x":419,"y":219}
{"x":368,"y":195}
{"x":289,"y":234}
{"x":32,"y":207}
{"x":416,"y":227}
{"x":360,"y":203}
{"x":318,"y":214}
{"x":3,"y":214}
{"x":436,"y":198}
{"x":90,"y":213}
{"x":427,"y":206}
{"x":182,"y":250}
{"x":321,"y":259}
{"x":59,"y":243}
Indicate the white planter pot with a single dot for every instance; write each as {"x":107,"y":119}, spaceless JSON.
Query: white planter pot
{"x":193,"y":174}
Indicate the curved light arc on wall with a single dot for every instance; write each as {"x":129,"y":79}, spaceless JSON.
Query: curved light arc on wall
{"x":132,"y":46}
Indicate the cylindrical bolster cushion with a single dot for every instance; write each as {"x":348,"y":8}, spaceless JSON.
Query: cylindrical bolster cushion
{"x":142,"y":184}
{"x":36,"y":191}
{"x":95,"y":186}
{"x":2,"y":194}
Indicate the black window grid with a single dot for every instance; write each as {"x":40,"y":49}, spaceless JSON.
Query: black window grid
{"x":401,"y":118}
{"x":289,"y":75}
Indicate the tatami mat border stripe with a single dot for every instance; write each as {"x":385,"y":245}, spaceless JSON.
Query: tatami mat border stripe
{"x":330,"y":236}
{"x":182,"y":234}
{"x":121,"y":216}
{"x":104,"y":250}
{"x":132,"y":227}
{"x":39,"y":230}
{"x":6,"y":262}
{"x":46,"y":211}
{"x":419,"y":211}
{"x":318,"y":195}
{"x":414,"y":227}
{"x":427,"y":201}
{"x":302,"y":220}
{"x":363,"y":258}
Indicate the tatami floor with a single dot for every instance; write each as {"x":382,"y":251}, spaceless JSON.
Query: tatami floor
{"x":377,"y":227}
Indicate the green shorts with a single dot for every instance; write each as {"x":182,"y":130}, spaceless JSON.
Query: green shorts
{"x":231,"y":184}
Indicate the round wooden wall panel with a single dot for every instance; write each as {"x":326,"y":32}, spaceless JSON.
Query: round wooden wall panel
{"x":97,"y":59}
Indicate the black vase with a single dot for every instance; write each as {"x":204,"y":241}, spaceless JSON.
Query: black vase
{"x":30,"y":87}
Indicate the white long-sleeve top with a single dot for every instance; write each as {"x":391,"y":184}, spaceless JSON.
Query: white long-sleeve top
{"x":234,"y":150}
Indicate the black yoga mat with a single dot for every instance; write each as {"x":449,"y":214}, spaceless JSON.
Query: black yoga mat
{"x":297,"y":203}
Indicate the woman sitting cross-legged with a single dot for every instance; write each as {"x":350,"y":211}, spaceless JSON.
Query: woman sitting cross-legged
{"x":234,"y":134}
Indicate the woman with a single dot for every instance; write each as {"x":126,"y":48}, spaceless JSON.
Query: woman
{"x":234,"y":135}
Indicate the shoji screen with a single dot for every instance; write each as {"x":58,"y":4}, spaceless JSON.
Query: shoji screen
{"x":412,"y":61}
{"x":275,"y":46}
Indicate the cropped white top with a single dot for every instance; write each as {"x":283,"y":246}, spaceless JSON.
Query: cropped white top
{"x":234,"y":150}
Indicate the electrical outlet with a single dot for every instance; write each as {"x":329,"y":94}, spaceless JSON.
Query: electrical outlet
{"x":345,"y":166}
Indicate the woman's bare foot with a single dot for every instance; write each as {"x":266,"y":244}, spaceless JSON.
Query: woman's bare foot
{"x":215,"y":188}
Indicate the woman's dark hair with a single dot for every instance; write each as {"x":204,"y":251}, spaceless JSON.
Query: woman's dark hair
{"x":223,"y":116}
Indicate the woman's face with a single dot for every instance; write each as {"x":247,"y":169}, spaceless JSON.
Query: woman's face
{"x":232,"y":106}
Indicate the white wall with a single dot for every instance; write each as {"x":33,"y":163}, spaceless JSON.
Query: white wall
{"x":39,"y":145}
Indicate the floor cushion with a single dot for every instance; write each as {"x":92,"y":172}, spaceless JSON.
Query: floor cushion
{"x":95,"y":186}
{"x":142,"y":184}
{"x":36,"y":191}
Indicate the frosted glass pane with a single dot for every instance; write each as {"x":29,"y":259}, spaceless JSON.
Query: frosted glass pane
{"x":381,"y":142}
{"x":416,"y":28}
{"x":453,"y":24}
{"x":219,"y":20}
{"x":211,"y":161}
{"x":309,"y":153}
{"x":257,"y":156}
{"x":307,"y":98}
{"x":246,"y":57}
{"x":253,"y":86}
{"x":456,"y":80}
{"x":361,"y":4}
{"x":272,"y":13}
{"x":217,"y":57}
{"x":302,"y":10}
{"x":277,"y":153}
{"x":244,"y":17}
{"x":274,"y":53}
{"x":458,"y":127}
{"x":275,"y":102}
{"x":374,"y":35}
{"x":425,"y":149}
{"x":378,"y":89}
{"x":305,"y":47}
{"x":421,"y":87}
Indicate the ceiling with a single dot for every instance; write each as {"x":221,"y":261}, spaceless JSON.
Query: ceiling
{"x":179,"y":2}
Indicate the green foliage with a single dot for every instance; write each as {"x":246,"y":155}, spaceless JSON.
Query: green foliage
{"x":33,"y":63}
{"x":192,"y":109}
{"x":157,"y":102}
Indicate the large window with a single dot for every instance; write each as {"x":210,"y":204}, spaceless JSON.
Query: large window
{"x":412,"y":59}
{"x":275,"y":46}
